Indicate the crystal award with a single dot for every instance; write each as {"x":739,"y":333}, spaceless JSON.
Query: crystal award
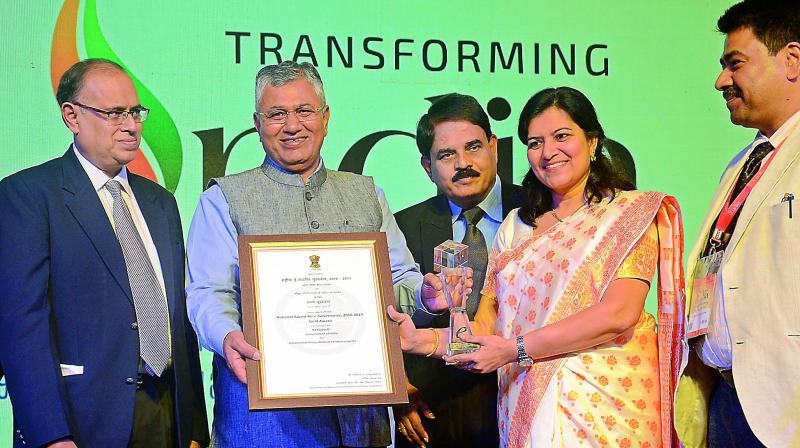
{"x":450,"y":262}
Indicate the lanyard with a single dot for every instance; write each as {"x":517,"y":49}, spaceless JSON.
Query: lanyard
{"x":730,"y":209}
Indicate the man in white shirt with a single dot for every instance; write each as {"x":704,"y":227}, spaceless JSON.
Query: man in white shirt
{"x":94,"y":338}
{"x":740,"y":387}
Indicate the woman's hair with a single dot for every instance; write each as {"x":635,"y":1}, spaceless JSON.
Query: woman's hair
{"x":603,"y":177}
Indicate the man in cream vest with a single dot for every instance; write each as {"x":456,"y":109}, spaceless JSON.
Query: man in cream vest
{"x":291,"y":192}
{"x":741,"y":385}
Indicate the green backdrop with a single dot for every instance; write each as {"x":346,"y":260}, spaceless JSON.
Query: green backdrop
{"x":649,"y":68}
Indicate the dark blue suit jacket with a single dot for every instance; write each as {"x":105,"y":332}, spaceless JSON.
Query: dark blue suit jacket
{"x":65,"y":299}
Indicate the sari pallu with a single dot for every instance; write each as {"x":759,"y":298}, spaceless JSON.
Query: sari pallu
{"x":619,"y":393}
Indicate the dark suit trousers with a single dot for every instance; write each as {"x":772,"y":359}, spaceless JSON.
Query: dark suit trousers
{"x":154,"y":414}
{"x":464,"y":403}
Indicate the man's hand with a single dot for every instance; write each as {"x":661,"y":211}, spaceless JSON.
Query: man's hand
{"x":408,"y":420}
{"x":407,"y":329}
{"x":236,"y":351}
{"x":494,"y":353}
{"x":433,"y":292}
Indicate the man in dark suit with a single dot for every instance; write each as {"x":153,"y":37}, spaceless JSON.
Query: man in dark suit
{"x":94,"y":338}
{"x":459,"y":153}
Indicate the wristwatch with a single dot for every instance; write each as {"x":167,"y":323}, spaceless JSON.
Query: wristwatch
{"x":522,"y":358}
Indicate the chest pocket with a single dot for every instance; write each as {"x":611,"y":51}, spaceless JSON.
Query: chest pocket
{"x":784,"y":240}
{"x":355,"y":224}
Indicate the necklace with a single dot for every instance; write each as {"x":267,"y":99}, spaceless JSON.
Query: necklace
{"x":555,"y":215}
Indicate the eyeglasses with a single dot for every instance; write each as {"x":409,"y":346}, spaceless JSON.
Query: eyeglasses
{"x":303,"y":113}
{"x":117,"y":117}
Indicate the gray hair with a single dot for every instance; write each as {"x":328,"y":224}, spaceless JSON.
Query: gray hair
{"x":277,"y":75}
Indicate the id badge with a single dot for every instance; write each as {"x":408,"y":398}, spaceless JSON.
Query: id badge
{"x":703,"y":290}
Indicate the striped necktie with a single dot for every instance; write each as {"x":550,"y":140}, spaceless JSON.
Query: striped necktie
{"x":148,"y":298}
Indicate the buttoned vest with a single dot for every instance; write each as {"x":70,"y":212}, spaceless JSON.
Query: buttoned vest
{"x":268,"y":201}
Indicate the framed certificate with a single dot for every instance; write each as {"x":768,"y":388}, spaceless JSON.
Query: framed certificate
{"x":314,"y":305}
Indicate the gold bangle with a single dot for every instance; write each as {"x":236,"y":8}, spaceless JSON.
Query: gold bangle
{"x":435,"y":343}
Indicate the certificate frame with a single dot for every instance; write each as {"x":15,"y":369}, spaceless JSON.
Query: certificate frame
{"x":254,"y":306}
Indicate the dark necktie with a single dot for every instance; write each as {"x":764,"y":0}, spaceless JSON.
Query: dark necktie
{"x":750,"y":168}
{"x":478,"y":256}
{"x":148,"y":298}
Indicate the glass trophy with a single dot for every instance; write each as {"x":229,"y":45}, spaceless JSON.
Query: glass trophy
{"x":450,"y":262}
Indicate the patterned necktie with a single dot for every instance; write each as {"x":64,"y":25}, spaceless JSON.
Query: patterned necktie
{"x":148,"y":298}
{"x":478,"y":256}
{"x":750,"y":168}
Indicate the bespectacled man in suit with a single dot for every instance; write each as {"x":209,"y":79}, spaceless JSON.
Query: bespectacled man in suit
{"x":94,"y":337}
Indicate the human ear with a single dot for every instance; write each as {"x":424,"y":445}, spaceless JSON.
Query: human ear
{"x":69,"y":115}
{"x":792,"y":61}
{"x":593,"y":146}
{"x":426,"y":165}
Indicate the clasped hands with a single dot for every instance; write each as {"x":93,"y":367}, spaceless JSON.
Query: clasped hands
{"x":495,"y":352}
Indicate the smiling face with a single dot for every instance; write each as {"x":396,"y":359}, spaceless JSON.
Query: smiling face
{"x":109,"y":148}
{"x":753,"y":82}
{"x":559,"y":152}
{"x":294,"y":145}
{"x":462,"y":162}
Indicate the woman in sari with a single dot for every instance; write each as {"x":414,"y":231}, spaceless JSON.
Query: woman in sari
{"x":561,"y":318}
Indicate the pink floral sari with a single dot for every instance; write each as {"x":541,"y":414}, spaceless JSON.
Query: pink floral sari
{"x":619,"y":393}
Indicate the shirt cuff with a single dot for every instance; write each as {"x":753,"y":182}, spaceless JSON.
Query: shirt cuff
{"x":421,"y":315}
{"x":217,"y":335}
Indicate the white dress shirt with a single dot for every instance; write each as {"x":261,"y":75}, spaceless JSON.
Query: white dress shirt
{"x":492,"y":205}
{"x":99,"y":179}
{"x":715,"y":348}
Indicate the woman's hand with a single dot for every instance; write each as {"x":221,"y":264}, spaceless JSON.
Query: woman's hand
{"x":494,"y":353}
{"x":407,"y":328}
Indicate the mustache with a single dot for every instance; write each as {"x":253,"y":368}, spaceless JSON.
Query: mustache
{"x":466,"y":172}
{"x":731,"y":92}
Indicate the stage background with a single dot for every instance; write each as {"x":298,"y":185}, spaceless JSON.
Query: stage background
{"x":649,"y":68}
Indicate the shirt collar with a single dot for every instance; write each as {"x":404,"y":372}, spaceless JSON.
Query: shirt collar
{"x":492,"y":204}
{"x":97,"y":176}
{"x":780,"y":135}
{"x":279,"y":174}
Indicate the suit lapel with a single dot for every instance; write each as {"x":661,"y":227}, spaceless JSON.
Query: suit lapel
{"x":82,"y":201}
{"x":155,"y":216}
{"x":435,"y":228}
{"x":785,"y":157}
{"x":717,"y":202}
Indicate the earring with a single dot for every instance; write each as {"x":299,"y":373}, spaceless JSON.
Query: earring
{"x":593,"y":157}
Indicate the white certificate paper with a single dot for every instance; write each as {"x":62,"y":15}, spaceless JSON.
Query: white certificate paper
{"x":319,"y":328}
